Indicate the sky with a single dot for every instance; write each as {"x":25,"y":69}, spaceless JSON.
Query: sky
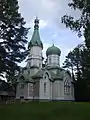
{"x":52,"y":30}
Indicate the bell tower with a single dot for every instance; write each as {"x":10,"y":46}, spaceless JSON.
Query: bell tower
{"x":35,"y":48}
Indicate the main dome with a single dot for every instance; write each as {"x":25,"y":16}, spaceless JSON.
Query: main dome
{"x":53,"y":50}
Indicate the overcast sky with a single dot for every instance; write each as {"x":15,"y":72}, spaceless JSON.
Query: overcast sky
{"x":50,"y":12}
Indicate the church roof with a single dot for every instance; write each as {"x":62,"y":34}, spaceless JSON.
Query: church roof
{"x":35,"y":40}
{"x":26,"y":79}
{"x":53,"y":50}
{"x":25,"y":76}
{"x":58,"y":75}
{"x":39,"y":74}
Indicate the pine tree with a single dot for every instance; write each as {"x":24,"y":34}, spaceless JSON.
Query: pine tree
{"x":76,"y":61}
{"x":13,"y":37}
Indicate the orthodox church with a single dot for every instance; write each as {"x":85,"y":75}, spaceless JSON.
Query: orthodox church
{"x":43,"y":81}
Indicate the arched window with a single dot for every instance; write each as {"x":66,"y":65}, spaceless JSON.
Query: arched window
{"x":67,"y":87}
{"x":21,"y":86}
{"x":22,"y":82}
{"x":21,"y":79}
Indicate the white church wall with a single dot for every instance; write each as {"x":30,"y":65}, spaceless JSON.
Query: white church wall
{"x":68,"y":87}
{"x":41,"y":91}
{"x":72,"y":92}
{"x":44,"y":94}
{"x":30,"y":91}
{"x":36,"y":89}
{"x":22,"y":92}
{"x":57,"y":90}
{"x":36,"y":50}
{"x":18,"y":91}
{"x":26,"y":91}
{"x":45,"y":89}
{"x":35,"y":57}
{"x":36,"y":62}
{"x":53,"y":60}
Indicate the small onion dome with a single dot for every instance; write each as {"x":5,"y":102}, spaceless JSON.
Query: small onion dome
{"x":53,"y":50}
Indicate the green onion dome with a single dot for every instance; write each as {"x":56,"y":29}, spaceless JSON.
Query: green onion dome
{"x":53,"y":50}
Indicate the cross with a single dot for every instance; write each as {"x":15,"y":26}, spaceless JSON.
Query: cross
{"x":53,"y":42}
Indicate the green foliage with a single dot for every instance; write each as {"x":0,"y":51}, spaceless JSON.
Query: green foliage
{"x":13,"y":37}
{"x":81,"y":58}
{"x":4,"y":86}
{"x":77,"y":61}
{"x":81,"y":24}
{"x":74,"y":59}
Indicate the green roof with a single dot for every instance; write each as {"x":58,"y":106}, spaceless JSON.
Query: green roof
{"x":39,"y":74}
{"x":35,"y":40}
{"x":57,"y":76}
{"x":53,"y":50}
{"x":25,"y":76}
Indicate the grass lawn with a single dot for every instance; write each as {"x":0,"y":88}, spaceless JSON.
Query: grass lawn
{"x":45,"y":111}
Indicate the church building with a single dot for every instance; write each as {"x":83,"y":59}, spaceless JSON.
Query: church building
{"x":38,"y":81}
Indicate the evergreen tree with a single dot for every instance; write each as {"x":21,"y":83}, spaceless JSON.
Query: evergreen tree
{"x":82,"y":27}
{"x":76,"y":59}
{"x":83,"y":23}
{"x":13,"y":37}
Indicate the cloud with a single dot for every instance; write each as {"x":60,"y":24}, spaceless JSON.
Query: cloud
{"x":50,"y":10}
{"x":50,"y":13}
{"x":43,"y":24}
{"x":45,"y":47}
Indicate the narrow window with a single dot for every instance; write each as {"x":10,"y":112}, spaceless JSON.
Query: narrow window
{"x":29,"y":64}
{"x":58,"y":60}
{"x":45,"y":87}
{"x":28,"y":71}
{"x":65,"y":87}
{"x":40,"y":65}
{"x":49,"y":60}
{"x":45,"y":77}
{"x":22,"y":86}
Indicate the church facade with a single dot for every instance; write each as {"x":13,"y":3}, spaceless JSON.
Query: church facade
{"x":44,"y":81}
